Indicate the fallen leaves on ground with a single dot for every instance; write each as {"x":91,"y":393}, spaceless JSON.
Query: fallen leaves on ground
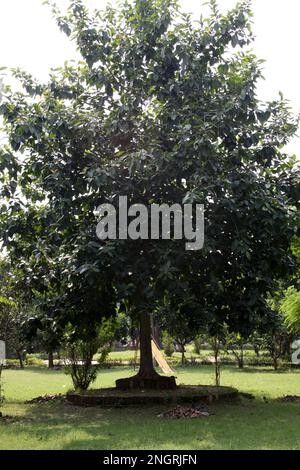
{"x":195,"y":411}
{"x":46,"y":398}
{"x":289,"y":398}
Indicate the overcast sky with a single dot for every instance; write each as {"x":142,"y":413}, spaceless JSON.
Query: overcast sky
{"x":30,"y":39}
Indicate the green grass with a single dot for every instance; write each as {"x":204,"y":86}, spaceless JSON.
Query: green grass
{"x":258,"y":424}
{"x":127,"y":355}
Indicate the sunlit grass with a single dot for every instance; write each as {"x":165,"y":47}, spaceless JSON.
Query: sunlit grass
{"x":258,"y":424}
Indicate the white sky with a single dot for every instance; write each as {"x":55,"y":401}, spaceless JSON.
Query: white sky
{"x":30,"y":39}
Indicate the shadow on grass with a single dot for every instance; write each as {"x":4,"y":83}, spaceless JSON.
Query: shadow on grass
{"x":246,"y":425}
{"x":251,"y":424}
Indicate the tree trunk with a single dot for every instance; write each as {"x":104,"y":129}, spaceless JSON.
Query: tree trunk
{"x":50,"y":360}
{"x":147,"y":377}
{"x":216,"y":349}
{"x":182,"y":347}
{"x":241,"y":359}
{"x":19,"y":354}
{"x":217,"y":370}
{"x":182,"y":357}
{"x":146,"y":362}
{"x":241,"y":363}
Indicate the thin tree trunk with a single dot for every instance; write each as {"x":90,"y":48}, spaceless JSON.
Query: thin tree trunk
{"x":50,"y":360}
{"x":19,"y":354}
{"x":217,"y":370}
{"x":216,"y":348}
{"x":241,"y":359}
{"x":182,"y":356}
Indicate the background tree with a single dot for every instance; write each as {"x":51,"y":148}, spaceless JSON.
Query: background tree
{"x":199,"y":341}
{"x":275,"y":339}
{"x":216,"y":343}
{"x":180,"y":320}
{"x":14,"y":313}
{"x":257,"y":342}
{"x":168,"y":344}
{"x":235,"y":343}
{"x":290,"y":304}
{"x":291,"y":309}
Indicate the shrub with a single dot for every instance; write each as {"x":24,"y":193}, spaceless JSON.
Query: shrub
{"x":12,"y":362}
{"x":197,"y":345}
{"x":168,"y":344}
{"x":32,"y":360}
{"x":174,"y":361}
{"x":104,"y":352}
{"x":80,"y":349}
{"x":79,"y":362}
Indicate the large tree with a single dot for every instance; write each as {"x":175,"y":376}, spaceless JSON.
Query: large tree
{"x":161,"y":109}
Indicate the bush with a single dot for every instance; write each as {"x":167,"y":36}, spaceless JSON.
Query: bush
{"x":174,"y":361}
{"x":79,"y":363}
{"x":104,"y":352}
{"x":197,"y":345}
{"x":80,"y":349}
{"x":12,"y":362}
{"x":32,"y":360}
{"x":168,"y":344}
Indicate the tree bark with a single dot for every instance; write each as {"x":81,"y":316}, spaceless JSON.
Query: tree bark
{"x":19,"y":354}
{"x":241,"y":358}
{"x":216,"y":348}
{"x":182,"y":347}
{"x":241,"y":363}
{"x":50,"y":360}
{"x":256,"y":350}
{"x":146,"y":361}
{"x":217,"y":370}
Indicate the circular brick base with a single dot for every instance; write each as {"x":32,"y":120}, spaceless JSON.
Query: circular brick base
{"x":182,"y":394}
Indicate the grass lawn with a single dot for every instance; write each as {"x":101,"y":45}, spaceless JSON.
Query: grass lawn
{"x":129,"y":355}
{"x":251,"y":424}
